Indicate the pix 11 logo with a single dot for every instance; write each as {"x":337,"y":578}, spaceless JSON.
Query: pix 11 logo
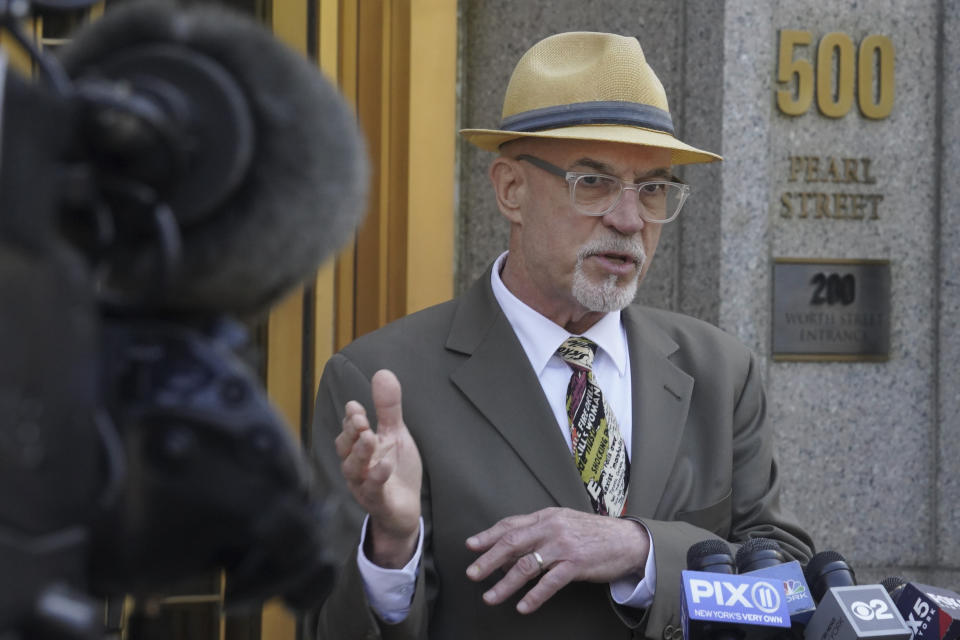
{"x":762,"y":595}
{"x":735,"y":599}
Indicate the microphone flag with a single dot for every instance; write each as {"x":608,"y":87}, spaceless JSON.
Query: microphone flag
{"x":734,"y":599}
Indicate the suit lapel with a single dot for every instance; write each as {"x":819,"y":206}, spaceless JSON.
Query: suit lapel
{"x":661,"y":400}
{"x":498,"y":379}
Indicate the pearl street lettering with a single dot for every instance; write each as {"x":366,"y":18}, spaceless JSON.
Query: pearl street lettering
{"x":815,"y":202}
{"x":842,"y":170}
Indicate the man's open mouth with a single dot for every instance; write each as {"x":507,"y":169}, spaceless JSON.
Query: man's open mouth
{"x":619,"y":257}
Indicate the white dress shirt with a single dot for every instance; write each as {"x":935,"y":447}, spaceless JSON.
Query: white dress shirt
{"x":390,"y":591}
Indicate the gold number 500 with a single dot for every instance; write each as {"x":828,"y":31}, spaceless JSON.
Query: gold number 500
{"x":876,"y":52}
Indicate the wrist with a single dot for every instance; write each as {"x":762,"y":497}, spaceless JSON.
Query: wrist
{"x":390,"y":549}
{"x":640,"y":545}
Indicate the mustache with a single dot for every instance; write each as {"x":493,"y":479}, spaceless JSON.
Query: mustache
{"x":614,"y":244}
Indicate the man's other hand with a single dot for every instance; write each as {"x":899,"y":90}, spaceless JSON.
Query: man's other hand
{"x":384,"y":471}
{"x":572,"y":546}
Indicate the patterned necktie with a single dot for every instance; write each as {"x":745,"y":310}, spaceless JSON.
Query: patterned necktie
{"x":597,"y":444}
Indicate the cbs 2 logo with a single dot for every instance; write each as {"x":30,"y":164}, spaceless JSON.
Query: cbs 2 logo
{"x":876,"y":610}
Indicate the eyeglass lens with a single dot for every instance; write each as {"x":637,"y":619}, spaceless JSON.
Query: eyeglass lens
{"x":597,"y":194}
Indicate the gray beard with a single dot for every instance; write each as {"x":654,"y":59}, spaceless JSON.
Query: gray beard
{"x":607,"y":296}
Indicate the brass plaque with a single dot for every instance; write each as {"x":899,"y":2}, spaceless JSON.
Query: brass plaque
{"x":831,"y":309}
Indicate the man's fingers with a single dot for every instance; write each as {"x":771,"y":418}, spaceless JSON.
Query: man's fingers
{"x":357,"y":463}
{"x":525,"y":569}
{"x":502,"y":529}
{"x":561,"y":544}
{"x":366,"y":457}
{"x":382,"y":464}
{"x":513,"y":548}
{"x":386,"y":400}
{"x":504,"y":543}
{"x":354,"y":423}
{"x":353,"y":408}
{"x":551,"y":582}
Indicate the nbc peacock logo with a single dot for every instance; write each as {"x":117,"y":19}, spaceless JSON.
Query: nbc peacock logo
{"x":794,"y":589}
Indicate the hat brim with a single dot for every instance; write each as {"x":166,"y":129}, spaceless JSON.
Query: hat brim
{"x":491,"y":139}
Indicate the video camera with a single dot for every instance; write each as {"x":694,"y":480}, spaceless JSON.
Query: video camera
{"x":172,"y":172}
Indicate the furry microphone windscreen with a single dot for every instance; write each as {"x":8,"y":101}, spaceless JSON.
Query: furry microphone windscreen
{"x":290,"y":198}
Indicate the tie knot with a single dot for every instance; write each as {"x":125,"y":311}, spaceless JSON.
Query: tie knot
{"x":578,"y":352}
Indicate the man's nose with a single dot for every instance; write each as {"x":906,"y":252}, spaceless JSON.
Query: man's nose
{"x":626,"y":216}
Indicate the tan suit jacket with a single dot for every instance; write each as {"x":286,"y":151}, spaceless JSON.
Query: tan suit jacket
{"x":702,"y":465}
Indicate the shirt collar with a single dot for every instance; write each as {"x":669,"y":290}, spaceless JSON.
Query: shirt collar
{"x":540,"y":336}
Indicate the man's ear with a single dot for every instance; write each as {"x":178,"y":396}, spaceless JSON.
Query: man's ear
{"x":509,"y":185}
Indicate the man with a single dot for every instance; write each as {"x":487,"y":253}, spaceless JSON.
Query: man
{"x":556,"y":450}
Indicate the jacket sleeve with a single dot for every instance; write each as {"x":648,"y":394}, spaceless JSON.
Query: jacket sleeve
{"x":346,"y":613}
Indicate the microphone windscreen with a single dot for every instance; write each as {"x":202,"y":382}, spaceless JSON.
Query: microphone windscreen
{"x":893,"y":584}
{"x":828,"y":569}
{"x":710,"y":555}
{"x":758,"y":553}
{"x":299,"y":197}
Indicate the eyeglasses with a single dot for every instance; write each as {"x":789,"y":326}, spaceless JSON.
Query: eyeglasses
{"x":597,"y":194}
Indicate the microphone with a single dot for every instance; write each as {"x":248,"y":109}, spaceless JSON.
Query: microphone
{"x":712,"y":556}
{"x":229,"y":166}
{"x":759,"y":553}
{"x":845,"y":610}
{"x":717,"y":604}
{"x":931,"y":613}
{"x":763,"y":557}
{"x":828,"y":569}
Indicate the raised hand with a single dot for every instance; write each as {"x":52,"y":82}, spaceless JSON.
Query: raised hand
{"x":383,"y":471}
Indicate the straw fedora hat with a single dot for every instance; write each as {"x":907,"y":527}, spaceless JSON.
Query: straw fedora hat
{"x":587,"y":86}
